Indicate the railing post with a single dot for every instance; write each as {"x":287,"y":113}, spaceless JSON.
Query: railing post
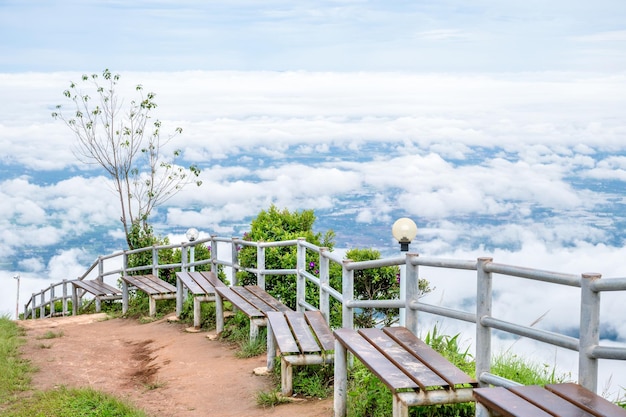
{"x":33,"y":302}
{"x":589,"y":332}
{"x":179,"y":283}
{"x":234,"y":256}
{"x":213,"y":249}
{"x":483,"y":309}
{"x":412,"y":292}
{"x":347,"y":294}
{"x":260,"y":265}
{"x":100,"y":269}
{"x":64,"y":304}
{"x":324,"y":284}
{"x":52,"y":306}
{"x":42,"y":306}
{"x":155,"y":261}
{"x":125,"y":294}
{"x":300,"y":278}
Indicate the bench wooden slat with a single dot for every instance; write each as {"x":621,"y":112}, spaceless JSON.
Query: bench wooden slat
{"x":239,"y":302}
{"x":282,"y":333}
{"x":549,"y":401}
{"x":150,"y":284}
{"x":430,"y":357}
{"x":97,"y":288}
{"x":507,"y":403}
{"x":267,"y":298}
{"x":202,"y":279}
{"x":320,"y":328}
{"x":382,"y":367}
{"x":212,"y":279}
{"x":189,"y":282}
{"x":302,"y":332}
{"x":586,"y":399}
{"x":164,"y":287}
{"x":416,"y":370}
{"x":249,"y":296}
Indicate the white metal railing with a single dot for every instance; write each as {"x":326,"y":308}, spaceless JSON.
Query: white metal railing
{"x":591,"y":285}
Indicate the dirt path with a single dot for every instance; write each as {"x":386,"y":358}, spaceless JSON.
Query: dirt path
{"x":156,"y":366}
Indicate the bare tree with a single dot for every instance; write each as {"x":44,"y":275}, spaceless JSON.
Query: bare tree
{"x":127,"y":145}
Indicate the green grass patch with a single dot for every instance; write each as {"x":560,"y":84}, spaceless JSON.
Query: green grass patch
{"x":15,"y":378}
{"x":81,"y":402}
{"x":14,"y":371}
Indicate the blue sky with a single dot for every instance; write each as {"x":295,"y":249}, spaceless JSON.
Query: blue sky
{"x":443,"y":36}
{"x":498,"y":126}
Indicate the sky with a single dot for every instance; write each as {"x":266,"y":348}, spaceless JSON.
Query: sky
{"x":497,"y":126}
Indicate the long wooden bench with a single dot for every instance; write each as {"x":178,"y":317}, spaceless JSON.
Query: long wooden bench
{"x":253,"y":301}
{"x":302,"y":339}
{"x":414,"y":372}
{"x":100,"y":290}
{"x":155,"y":288}
{"x":560,"y":400}
{"x":201,"y":285}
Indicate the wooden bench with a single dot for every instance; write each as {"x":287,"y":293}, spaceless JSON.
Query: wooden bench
{"x":202,"y":287}
{"x":414,"y":372}
{"x":561,"y":400}
{"x":156,"y":288}
{"x":100,"y":291}
{"x":251,"y":300}
{"x":301,"y":338}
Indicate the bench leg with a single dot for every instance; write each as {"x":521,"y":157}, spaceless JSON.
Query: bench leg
{"x":219,"y":314}
{"x":179,"y":297}
{"x":341,"y":380}
{"x":400,"y":409}
{"x":98,"y":304}
{"x":482,"y":411}
{"x":271,"y":347}
{"x":197,"y":312}
{"x":286,"y":378}
{"x":254,"y":330}
{"x":152,"y":302}
{"x":124,"y":297}
{"x":74,"y":301}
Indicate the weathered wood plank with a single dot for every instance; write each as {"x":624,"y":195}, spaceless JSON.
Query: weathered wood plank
{"x":408,"y":363}
{"x":163,"y":286}
{"x":302,"y":332}
{"x":267,"y":299}
{"x":150,"y":284}
{"x":239,"y":302}
{"x":250,"y":297}
{"x":189,"y":282}
{"x":375,"y":361}
{"x":586,"y":399}
{"x":97,"y":288}
{"x":212,"y":279}
{"x":321,"y":329}
{"x":428,"y":356}
{"x":282,"y":333}
{"x":200,"y":279}
{"x":548,"y":401}
{"x":507,"y":403}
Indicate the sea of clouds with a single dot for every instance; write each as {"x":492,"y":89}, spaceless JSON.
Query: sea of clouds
{"x":526,"y":168}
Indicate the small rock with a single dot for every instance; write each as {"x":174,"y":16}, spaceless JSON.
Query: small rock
{"x":261,"y":371}
{"x":192,"y":329}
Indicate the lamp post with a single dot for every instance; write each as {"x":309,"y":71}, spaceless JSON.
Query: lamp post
{"x":192,"y":234}
{"x":17,"y":302}
{"x":404,"y":231}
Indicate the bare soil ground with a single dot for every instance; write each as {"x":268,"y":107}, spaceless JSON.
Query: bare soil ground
{"x":158,"y":367}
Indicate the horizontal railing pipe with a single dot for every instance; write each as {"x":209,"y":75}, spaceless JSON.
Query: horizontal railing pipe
{"x":444,"y":311}
{"x":608,"y":284}
{"x":552,"y":338}
{"x":534,"y":274}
